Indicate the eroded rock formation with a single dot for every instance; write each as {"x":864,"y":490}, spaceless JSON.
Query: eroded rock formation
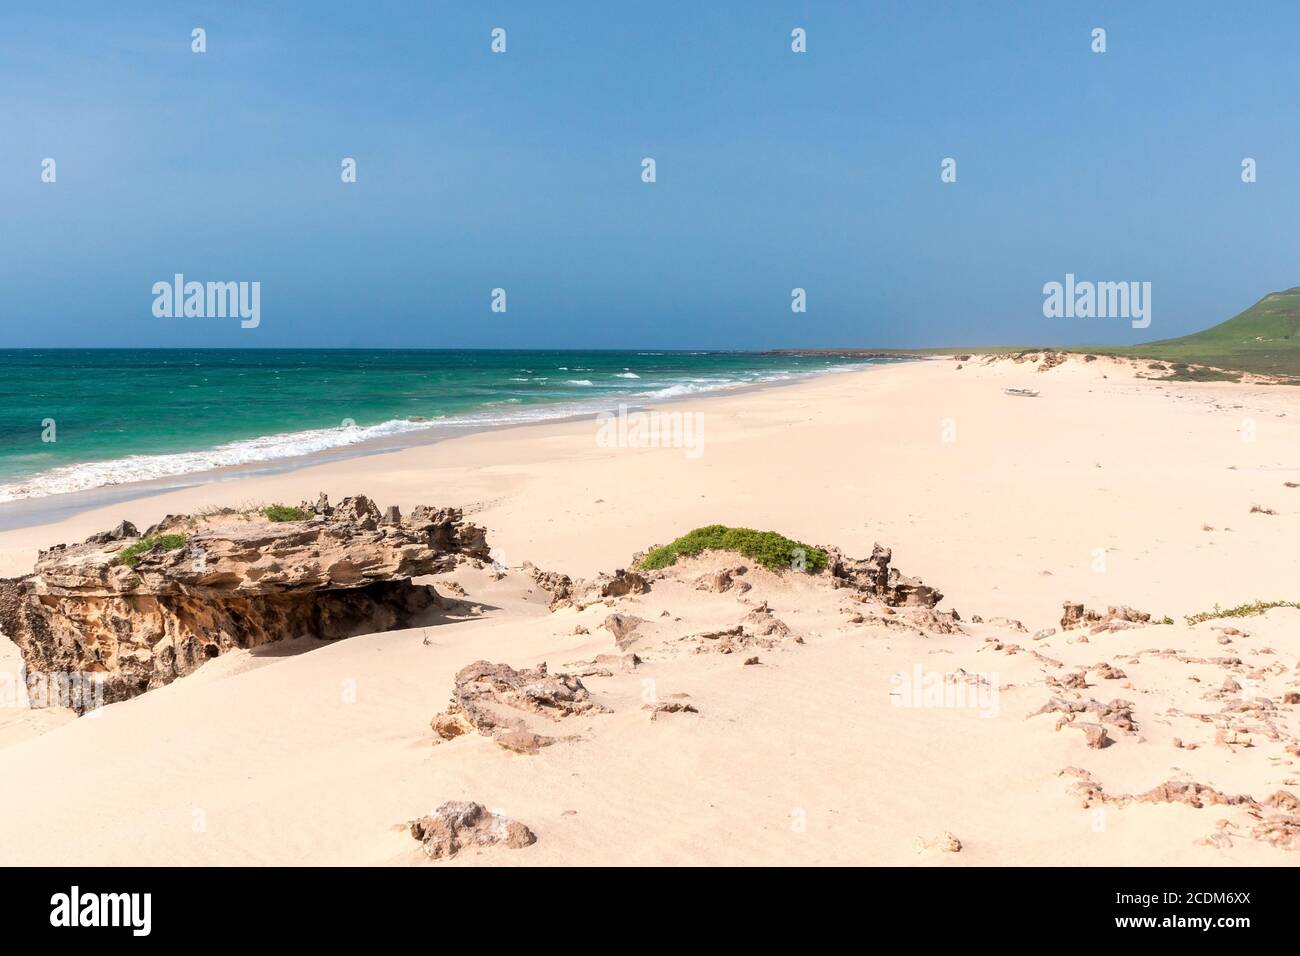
{"x":566,"y":592}
{"x":492,"y":699}
{"x":461,"y":823}
{"x":1074,"y":614}
{"x":875,"y":577}
{"x":1280,"y":829}
{"x":137,"y":611}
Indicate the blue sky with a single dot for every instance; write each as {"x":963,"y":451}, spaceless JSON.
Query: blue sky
{"x":522,"y":170}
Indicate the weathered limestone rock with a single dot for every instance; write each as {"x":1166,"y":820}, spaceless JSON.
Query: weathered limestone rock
{"x":943,"y":842}
{"x":619,"y":583}
{"x":1074,"y":614}
{"x":874,"y":576}
{"x":458,"y":824}
{"x":1118,"y":713}
{"x":715,"y":581}
{"x":230,"y":579}
{"x":566,"y":592}
{"x":670,"y":707}
{"x":489,"y":698}
{"x":623,"y":627}
{"x":764,"y":623}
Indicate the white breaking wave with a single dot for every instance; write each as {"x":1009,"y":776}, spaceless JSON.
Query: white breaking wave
{"x":578,"y":381}
{"x":676,"y":391}
{"x":626,"y":374}
{"x":270,"y":448}
{"x":119,"y":471}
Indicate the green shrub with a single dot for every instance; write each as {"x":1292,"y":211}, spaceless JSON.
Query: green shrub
{"x":284,"y":513}
{"x":130,"y":555}
{"x":769,"y":549}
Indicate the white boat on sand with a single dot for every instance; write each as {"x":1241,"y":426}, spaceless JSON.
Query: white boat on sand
{"x":1024,"y":392}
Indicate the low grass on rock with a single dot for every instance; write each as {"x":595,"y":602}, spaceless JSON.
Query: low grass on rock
{"x":130,"y":555}
{"x":284,"y":513}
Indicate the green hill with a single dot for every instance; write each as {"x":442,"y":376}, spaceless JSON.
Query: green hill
{"x":1264,"y":339}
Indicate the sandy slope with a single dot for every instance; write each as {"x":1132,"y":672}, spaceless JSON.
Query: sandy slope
{"x":311,"y":753}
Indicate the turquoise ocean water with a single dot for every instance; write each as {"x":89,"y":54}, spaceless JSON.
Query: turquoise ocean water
{"x":122,"y":416}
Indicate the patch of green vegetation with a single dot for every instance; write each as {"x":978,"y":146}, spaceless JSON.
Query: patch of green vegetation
{"x":284,"y":513}
{"x":130,"y":555}
{"x":1165,"y":620}
{"x":1264,"y":339}
{"x":773,"y":551}
{"x":1182,"y":372}
{"x":1241,"y":610}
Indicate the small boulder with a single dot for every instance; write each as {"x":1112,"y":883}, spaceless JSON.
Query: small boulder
{"x":458,"y":824}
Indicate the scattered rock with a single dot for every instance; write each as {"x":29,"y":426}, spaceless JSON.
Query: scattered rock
{"x":623,"y":627}
{"x":1095,"y":734}
{"x":489,"y":698}
{"x":458,"y":824}
{"x":716,"y":581}
{"x":874,"y":576}
{"x":1225,"y":737}
{"x":1115,"y":618}
{"x":944,"y":842}
{"x":1107,"y":671}
{"x":669,"y":707}
{"x":1009,"y":623}
{"x":1118,"y":713}
{"x":566,"y":592}
{"x":1076,"y":680}
{"x":764,"y":623}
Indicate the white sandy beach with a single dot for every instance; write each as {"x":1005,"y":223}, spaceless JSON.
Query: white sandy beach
{"x":1107,"y":489}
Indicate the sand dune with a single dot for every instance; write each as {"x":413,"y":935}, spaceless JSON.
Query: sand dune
{"x":1107,"y":489}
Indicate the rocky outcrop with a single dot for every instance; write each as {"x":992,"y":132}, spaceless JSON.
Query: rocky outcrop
{"x":764,"y":623}
{"x":458,"y":824}
{"x":492,"y":698}
{"x":1118,"y":713}
{"x":875,"y":578}
{"x":1074,"y":615}
{"x":623,"y":627}
{"x":670,"y":707}
{"x":559,"y":586}
{"x":137,"y":611}
{"x":618,"y":584}
{"x":719,"y":581}
{"x":1280,"y":829}
{"x":566,"y":592}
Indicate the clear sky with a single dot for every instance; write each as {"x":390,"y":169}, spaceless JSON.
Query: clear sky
{"x":522,"y":170}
